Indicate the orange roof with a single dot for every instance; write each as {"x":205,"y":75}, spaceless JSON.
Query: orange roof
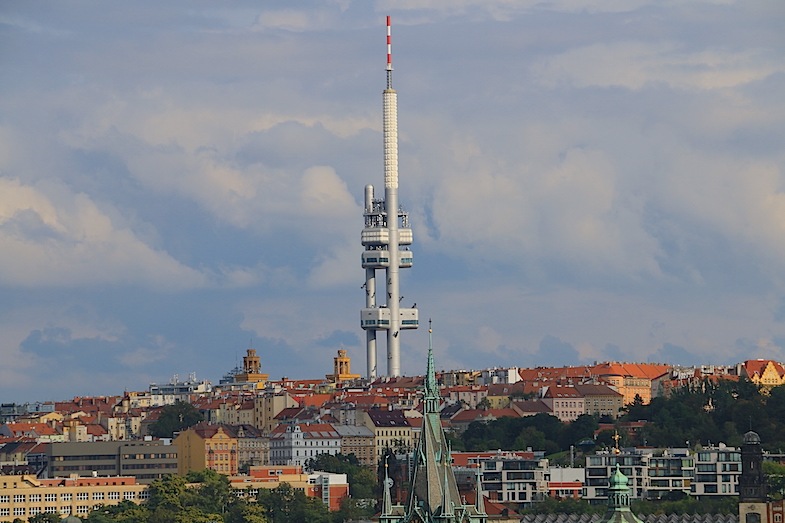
{"x":637,"y":370}
{"x":20,"y":429}
{"x":752,"y":367}
{"x":315,"y":400}
{"x":319,"y":430}
{"x":96,"y":430}
{"x":562,"y":392}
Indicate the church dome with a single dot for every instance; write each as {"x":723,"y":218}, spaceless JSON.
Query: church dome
{"x":751,"y":438}
{"x":71,"y":519}
{"x":618,"y":480}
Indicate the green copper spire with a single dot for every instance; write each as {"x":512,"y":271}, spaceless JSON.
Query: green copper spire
{"x":434,"y":496}
{"x":619,"y":500}
{"x":432,"y":397}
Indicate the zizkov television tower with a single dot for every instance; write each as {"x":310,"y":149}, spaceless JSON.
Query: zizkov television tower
{"x":386,"y":238}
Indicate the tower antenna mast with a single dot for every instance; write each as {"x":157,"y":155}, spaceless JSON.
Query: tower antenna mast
{"x":389,"y":55}
{"x":386,"y":237}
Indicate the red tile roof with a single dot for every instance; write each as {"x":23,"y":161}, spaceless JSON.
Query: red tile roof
{"x":753,"y":367}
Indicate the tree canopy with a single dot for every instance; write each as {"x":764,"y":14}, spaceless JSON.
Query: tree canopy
{"x":176,"y":417}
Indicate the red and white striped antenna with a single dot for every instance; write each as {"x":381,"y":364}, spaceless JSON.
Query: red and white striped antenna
{"x":389,"y":55}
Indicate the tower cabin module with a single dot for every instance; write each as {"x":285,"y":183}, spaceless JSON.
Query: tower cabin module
{"x":386,"y":237}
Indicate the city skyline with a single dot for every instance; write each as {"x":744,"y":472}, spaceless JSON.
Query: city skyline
{"x":585,"y":181}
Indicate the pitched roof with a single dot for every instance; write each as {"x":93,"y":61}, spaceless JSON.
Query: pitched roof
{"x":531,"y":407}
{"x":318,"y":431}
{"x":556,"y":391}
{"x":508,"y":389}
{"x":388,"y":418}
{"x":752,"y":367}
{"x":596,"y":389}
{"x":637,"y":370}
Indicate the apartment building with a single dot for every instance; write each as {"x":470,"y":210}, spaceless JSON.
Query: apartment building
{"x":509,"y":477}
{"x":717,"y":471}
{"x":207,"y":446}
{"x":145,"y":460}
{"x":391,"y":430}
{"x":295,"y":444}
{"x":329,"y":487}
{"x":652,"y":473}
{"x":566,"y":403}
{"x":358,"y":441}
{"x":24,"y":496}
{"x":600,"y":399}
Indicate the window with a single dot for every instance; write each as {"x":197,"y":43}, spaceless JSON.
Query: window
{"x":50,"y":497}
{"x":19,"y":498}
{"x":35,"y":498}
{"x":66,"y":497}
{"x":81,"y":496}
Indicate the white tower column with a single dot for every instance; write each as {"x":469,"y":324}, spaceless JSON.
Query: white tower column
{"x":386,"y":238}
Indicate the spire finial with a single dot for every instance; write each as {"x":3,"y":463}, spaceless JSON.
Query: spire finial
{"x":431,"y":387}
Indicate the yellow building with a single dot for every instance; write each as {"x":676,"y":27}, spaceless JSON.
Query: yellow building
{"x":391,"y":430}
{"x":252,"y":370}
{"x":342,"y":371}
{"x":630,"y":379}
{"x":268,"y":406}
{"x":25,"y":496}
{"x":766,"y":373}
{"x":206,"y":446}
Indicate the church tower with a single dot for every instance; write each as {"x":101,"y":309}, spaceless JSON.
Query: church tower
{"x":753,"y":505}
{"x":619,"y":501}
{"x":434,"y":496}
{"x":752,"y":483}
{"x":342,"y":368}
{"x":252,"y":370}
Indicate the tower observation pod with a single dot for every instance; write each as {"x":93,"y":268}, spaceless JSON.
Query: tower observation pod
{"x":386,"y":238}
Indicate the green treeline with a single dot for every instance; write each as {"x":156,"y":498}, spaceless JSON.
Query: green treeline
{"x":707,"y":413}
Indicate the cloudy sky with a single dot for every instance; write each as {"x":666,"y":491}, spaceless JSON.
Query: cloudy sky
{"x":587,"y":180}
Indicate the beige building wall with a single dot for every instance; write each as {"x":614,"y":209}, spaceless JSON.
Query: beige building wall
{"x":399,"y":437}
{"x":267,"y":407}
{"x":190,"y":452}
{"x":211,"y":449}
{"x":25,"y":496}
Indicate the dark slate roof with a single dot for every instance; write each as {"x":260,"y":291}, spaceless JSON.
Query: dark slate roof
{"x":388,"y":418}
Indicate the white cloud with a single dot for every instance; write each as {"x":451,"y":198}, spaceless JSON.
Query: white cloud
{"x":638,"y":64}
{"x":63,"y":239}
